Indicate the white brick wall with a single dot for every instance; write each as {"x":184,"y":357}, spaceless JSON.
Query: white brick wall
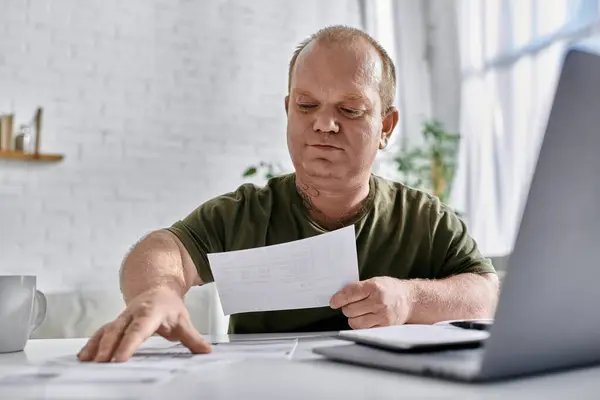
{"x":157,"y":106}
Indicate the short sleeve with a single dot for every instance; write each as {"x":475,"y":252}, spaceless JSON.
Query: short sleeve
{"x":206,"y":229}
{"x":454,"y":251}
{"x":197,"y":241}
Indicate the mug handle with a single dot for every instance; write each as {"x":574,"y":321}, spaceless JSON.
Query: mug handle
{"x":39,"y":310}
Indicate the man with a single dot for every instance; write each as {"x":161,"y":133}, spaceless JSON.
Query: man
{"x":417,"y":264}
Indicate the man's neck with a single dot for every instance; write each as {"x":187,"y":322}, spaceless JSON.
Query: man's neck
{"x":332,"y":208}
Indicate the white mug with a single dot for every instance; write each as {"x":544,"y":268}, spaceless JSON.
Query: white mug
{"x":22,"y":311}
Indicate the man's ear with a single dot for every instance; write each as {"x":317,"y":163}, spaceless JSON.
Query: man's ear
{"x":287,"y":98}
{"x":390,"y":120}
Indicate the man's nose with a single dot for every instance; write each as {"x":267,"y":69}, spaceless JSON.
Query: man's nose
{"x":326,"y":122}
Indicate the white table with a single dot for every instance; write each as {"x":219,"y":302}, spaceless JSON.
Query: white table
{"x":306,"y":376}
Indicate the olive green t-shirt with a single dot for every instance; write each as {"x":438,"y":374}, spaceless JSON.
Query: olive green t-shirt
{"x":400,"y":232}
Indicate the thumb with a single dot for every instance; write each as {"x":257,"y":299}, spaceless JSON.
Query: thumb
{"x":190,"y":338}
{"x":351,"y":293}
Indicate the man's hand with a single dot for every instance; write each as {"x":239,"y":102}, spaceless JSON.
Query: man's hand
{"x":159,"y":310}
{"x":379,"y":301}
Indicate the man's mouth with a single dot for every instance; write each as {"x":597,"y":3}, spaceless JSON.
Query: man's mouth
{"x":326,"y":147}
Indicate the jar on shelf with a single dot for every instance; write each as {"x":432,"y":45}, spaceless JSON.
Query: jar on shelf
{"x":23,"y":139}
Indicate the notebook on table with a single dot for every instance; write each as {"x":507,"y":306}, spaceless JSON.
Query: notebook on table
{"x":416,"y":337}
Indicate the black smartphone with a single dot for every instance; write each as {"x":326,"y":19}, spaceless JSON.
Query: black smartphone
{"x":482,"y":325}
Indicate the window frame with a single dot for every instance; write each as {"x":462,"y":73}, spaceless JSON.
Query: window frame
{"x":579,"y":27}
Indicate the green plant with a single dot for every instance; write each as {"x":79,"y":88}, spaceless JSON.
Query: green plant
{"x":432,"y":165}
{"x":268,"y":170}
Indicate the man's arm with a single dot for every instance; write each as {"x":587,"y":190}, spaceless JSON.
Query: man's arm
{"x":461,"y":296}
{"x":465,"y":283}
{"x":384,"y":301}
{"x":158,"y":260}
{"x":155,"y":276}
{"x":462,"y":283}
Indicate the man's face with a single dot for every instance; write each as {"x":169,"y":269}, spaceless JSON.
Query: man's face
{"x":334,"y":109}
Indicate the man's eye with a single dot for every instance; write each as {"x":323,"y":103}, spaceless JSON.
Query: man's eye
{"x":306,"y":106}
{"x":351,"y":112}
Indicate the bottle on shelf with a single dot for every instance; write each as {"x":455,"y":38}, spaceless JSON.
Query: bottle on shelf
{"x":23,"y":139}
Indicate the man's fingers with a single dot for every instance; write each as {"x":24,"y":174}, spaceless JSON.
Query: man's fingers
{"x":88,"y":352}
{"x":350,"y":294}
{"x":364,"y":321}
{"x":190,"y":338}
{"x":138,"y":331}
{"x":111,"y":338}
{"x":358,"y":308}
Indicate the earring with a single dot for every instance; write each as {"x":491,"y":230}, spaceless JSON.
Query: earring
{"x":383,"y":143}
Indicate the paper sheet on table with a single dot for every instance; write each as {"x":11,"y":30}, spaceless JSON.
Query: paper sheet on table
{"x":236,"y":350}
{"x":61,"y":374}
{"x":300,"y":274}
{"x":177,"y":357}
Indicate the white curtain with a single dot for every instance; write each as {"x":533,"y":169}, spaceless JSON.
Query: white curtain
{"x":511,"y":54}
{"x":487,"y":69}
{"x":422,"y":38}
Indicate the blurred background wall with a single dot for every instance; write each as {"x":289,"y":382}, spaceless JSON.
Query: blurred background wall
{"x":158,"y":106}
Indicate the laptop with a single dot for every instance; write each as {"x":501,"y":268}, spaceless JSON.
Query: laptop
{"x":547,"y":316}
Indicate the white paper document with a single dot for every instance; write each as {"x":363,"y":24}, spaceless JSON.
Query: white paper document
{"x":225,"y":351}
{"x":153,"y":361}
{"x":59,"y":374}
{"x":68,"y":378}
{"x":177,"y":358}
{"x":299,"y":274}
{"x":283,"y":348}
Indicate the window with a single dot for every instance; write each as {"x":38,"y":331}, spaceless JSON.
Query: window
{"x":511,"y":53}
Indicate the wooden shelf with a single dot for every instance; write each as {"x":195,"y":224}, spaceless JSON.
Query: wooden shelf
{"x":19,"y":155}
